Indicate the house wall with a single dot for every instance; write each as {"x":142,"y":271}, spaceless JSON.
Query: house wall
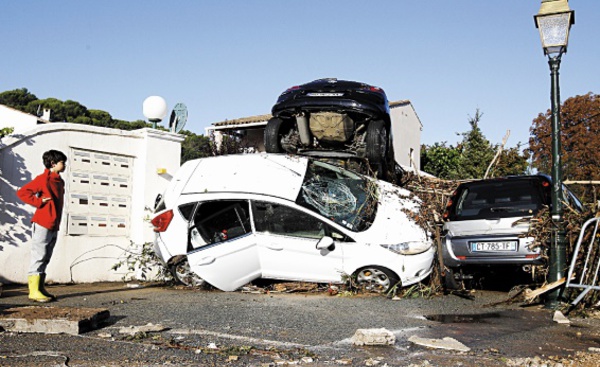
{"x":18,"y":120}
{"x":406,"y":128}
{"x":112,"y":179}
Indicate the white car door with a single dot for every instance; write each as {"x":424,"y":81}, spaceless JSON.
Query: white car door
{"x":288,"y":242}
{"x":223,"y":248}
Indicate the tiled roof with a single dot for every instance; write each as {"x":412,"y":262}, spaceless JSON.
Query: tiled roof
{"x":244,"y":120}
{"x":399,"y":103}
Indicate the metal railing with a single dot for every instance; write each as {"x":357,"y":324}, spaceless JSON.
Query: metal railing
{"x":587,"y":266}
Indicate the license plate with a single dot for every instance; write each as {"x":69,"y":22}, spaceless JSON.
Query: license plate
{"x":494,"y":246}
{"x":324,"y":94}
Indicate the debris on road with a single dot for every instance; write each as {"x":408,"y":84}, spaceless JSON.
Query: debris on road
{"x":148,"y":328}
{"x":445,"y":343}
{"x":373,"y":337}
{"x":531,"y":295}
{"x":559,"y":318}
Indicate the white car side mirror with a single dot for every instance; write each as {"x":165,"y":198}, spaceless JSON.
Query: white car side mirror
{"x":326,"y":243}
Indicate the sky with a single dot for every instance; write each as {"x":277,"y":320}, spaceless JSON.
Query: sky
{"x":231,"y":59}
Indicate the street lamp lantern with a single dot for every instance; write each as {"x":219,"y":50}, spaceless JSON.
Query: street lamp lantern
{"x":554,"y":21}
{"x":155,"y":109}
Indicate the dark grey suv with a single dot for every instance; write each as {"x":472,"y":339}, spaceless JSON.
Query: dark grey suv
{"x":487,"y":221}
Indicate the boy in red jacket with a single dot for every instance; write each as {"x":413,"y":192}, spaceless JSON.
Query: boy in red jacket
{"x":46,"y":193}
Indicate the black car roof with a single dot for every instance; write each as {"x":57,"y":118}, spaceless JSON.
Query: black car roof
{"x":507,"y":178}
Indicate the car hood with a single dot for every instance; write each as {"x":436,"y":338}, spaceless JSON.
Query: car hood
{"x":395,"y":221}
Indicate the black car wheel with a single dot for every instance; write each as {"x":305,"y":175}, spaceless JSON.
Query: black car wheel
{"x":450,"y":283}
{"x":272,"y":136}
{"x":377,"y":146}
{"x":376,"y":279}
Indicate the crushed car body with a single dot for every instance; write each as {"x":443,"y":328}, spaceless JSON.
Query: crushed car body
{"x":236,"y":218}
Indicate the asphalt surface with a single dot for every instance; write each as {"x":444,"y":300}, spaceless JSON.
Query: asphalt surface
{"x":214,"y":328}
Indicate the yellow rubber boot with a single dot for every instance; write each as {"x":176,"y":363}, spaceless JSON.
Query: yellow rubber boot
{"x":43,"y":287}
{"x":34,"y":289}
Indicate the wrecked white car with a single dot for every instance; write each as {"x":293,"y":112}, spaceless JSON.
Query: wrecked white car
{"x":233,"y":219}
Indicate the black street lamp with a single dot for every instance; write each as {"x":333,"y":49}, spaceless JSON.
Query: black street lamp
{"x":554,"y":21}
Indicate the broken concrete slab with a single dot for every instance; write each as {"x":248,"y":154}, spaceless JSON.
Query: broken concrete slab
{"x":373,"y":337}
{"x":52,"y":320}
{"x":559,"y":318}
{"x":445,"y":343}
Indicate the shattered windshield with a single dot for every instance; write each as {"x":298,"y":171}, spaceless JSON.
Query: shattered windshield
{"x":340,"y":195}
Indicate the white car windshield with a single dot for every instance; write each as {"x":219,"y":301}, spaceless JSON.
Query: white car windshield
{"x":343,"y":196}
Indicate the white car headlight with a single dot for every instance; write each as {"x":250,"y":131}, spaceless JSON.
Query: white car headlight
{"x":410,"y":247}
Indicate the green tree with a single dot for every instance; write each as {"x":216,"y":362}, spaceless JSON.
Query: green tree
{"x":101,"y":118}
{"x":471,"y":158}
{"x":476,"y":151}
{"x":512,"y":161}
{"x":440,"y":160}
{"x":194,"y":146}
{"x":17,"y":99}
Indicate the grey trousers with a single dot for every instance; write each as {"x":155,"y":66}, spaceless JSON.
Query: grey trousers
{"x":42,"y":246}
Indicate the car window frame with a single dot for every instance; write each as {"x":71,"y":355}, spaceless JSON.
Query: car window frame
{"x":191,"y":224}
{"x":329,"y":229}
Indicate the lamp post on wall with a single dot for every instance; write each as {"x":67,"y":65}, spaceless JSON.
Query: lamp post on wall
{"x":155,"y":109}
{"x":554,"y":21}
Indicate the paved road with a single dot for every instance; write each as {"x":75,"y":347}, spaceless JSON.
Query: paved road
{"x":245,"y":329}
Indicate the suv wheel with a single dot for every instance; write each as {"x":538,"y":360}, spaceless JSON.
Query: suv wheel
{"x":377,"y":146}
{"x":272,"y":136}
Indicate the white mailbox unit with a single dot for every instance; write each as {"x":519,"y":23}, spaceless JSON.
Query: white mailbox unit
{"x":100,"y":189}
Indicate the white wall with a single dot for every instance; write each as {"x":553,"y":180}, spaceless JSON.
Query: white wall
{"x":406,"y":128}
{"x":81,"y":258}
{"x":20,"y":121}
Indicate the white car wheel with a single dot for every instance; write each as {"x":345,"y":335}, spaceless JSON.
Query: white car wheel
{"x":376,"y":279}
{"x":184,"y":275}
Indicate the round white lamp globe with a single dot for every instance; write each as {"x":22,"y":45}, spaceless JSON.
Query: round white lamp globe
{"x":155,"y":108}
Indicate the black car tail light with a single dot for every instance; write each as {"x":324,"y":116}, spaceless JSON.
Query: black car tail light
{"x":375,"y":89}
{"x":291,"y":89}
{"x":161,"y":222}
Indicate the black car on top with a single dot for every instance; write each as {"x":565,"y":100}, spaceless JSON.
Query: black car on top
{"x":334,"y":119}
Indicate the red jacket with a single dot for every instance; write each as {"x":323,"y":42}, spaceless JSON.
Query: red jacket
{"x":48,"y":184}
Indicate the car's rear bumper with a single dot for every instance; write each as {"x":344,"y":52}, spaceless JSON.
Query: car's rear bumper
{"x":292,"y":106}
{"x":457,"y":251}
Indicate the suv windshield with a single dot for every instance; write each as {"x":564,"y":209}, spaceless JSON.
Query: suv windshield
{"x":499,"y":199}
{"x":340,"y":195}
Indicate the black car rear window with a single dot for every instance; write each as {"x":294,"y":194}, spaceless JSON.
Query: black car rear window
{"x":498,"y":199}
